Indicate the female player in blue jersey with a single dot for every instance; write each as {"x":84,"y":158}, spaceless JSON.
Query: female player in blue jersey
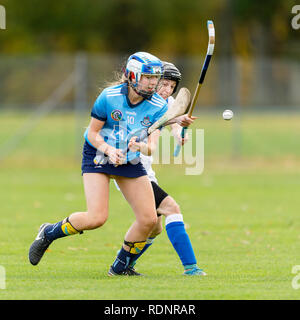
{"x":118,"y":112}
{"x":165,"y":204}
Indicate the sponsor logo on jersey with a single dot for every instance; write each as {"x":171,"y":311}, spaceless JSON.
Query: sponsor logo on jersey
{"x":131,"y":113}
{"x":116,"y":115}
{"x":146,"y":122}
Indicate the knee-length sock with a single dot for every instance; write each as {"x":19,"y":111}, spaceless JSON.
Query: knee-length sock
{"x":180,"y":239}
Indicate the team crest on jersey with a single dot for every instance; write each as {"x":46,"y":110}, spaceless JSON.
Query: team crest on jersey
{"x":146,"y":122}
{"x":116,"y":115}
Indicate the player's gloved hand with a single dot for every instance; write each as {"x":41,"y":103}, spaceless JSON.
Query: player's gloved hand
{"x":116,"y":156}
{"x":185,"y":120}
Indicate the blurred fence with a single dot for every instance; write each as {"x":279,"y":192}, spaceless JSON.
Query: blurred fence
{"x":37,"y":85}
{"x":27,"y":81}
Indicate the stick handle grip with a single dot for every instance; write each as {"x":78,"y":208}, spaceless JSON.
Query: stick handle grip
{"x":178,"y":147}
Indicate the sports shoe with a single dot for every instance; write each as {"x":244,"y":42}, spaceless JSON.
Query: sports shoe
{"x":132,"y":272}
{"x":127,"y":272}
{"x":111,"y":272}
{"x":194,"y":271}
{"x":39,"y":246}
{"x":132,"y":264}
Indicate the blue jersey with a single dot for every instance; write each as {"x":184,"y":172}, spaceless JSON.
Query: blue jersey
{"x":122,"y":119}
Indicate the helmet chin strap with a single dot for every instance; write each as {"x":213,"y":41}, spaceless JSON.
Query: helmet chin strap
{"x":142,"y":93}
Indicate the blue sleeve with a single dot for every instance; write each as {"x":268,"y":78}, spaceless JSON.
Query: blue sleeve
{"x":99,"y":108}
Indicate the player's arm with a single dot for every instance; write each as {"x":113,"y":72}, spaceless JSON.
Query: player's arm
{"x":183,"y":121}
{"x":148,"y":148}
{"x":115,"y":155}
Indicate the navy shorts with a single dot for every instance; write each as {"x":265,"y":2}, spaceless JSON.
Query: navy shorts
{"x":126,"y":170}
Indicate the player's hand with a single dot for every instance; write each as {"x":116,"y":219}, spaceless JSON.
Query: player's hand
{"x":116,"y":156}
{"x":181,"y":141}
{"x":133,"y":145}
{"x":185,"y":120}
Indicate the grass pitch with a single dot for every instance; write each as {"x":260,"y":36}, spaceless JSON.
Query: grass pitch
{"x":241,"y":213}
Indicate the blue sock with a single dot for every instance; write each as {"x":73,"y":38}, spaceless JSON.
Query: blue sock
{"x":59,"y":230}
{"x":136,"y":256}
{"x":122,"y":261}
{"x":180,"y":239}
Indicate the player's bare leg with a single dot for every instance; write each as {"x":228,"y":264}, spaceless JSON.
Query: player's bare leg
{"x":177,"y":236}
{"x":139,"y":194}
{"x":96,"y":187}
{"x":167,"y":206}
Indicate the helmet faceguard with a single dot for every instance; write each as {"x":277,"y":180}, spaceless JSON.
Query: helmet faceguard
{"x":171,"y":73}
{"x":142,"y":63}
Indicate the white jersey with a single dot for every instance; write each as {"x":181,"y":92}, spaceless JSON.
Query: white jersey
{"x":148,"y":160}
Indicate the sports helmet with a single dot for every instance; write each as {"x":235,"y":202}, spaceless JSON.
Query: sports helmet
{"x":171,"y":73}
{"x":141,"y":63}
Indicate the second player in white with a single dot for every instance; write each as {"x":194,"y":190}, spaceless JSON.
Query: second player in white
{"x":165,"y":204}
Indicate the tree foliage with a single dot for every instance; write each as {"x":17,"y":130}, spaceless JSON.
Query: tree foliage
{"x":170,"y":27}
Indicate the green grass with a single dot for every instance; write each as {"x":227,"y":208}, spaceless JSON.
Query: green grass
{"x":242,"y":215}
